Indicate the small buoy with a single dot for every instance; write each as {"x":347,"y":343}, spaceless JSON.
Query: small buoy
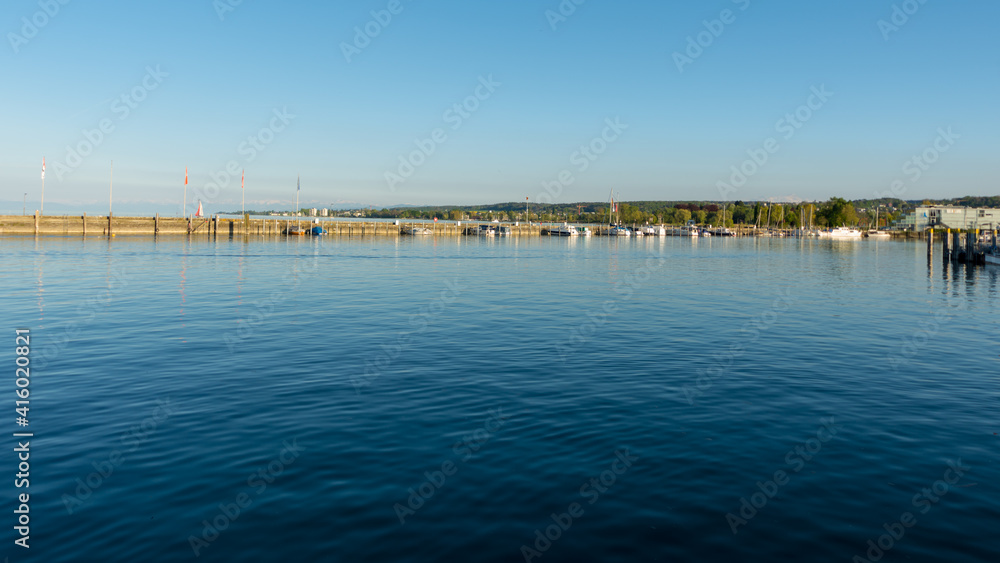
{"x":113,"y":235}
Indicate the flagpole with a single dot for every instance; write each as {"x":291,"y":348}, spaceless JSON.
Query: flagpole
{"x":243,"y":188}
{"x":298,"y":186}
{"x":42,"y":211}
{"x":184,"y":208}
{"x":111,"y":187}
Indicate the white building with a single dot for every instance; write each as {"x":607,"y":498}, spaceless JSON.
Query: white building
{"x":312,"y":212}
{"x":949,"y":217}
{"x":324,"y":212}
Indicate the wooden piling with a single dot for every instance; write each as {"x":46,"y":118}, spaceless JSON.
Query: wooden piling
{"x":84,"y":224}
{"x":156,"y":224}
{"x":110,"y":227}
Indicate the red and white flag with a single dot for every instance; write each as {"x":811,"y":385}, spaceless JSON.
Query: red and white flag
{"x":242,"y":178}
{"x":185,"y":176}
{"x":199,"y":212}
{"x":43,"y":168}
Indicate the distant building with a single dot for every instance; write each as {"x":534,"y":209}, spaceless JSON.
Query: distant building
{"x":949,"y":217}
{"x":312,"y":212}
{"x":324,"y":212}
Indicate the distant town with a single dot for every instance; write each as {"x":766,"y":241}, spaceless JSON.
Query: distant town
{"x":885,"y":213}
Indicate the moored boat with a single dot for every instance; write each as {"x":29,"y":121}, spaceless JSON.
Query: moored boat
{"x":415,"y":231}
{"x":842,"y":233}
{"x":564,"y":230}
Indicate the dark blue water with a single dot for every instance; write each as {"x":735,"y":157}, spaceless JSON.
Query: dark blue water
{"x":458,"y":399}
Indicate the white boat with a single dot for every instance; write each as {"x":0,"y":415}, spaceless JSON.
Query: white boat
{"x":841,"y":233}
{"x":416,"y":231}
{"x":993,"y":257}
{"x":653,"y":231}
{"x":585,"y":232}
{"x":564,"y":230}
{"x":875,"y":233}
{"x":616,"y":229}
{"x":685,"y":231}
{"x":723,"y":232}
{"x":704,"y":234}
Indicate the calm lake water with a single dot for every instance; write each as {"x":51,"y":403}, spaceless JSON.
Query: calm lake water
{"x":460,"y":399}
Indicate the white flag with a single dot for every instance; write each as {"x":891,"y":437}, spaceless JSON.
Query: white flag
{"x":43,"y":168}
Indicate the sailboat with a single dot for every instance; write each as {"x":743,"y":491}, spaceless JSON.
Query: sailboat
{"x":875,"y":233}
{"x":617,"y":230}
{"x":199,"y":213}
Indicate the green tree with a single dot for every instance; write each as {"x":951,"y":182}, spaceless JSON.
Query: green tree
{"x":838,"y":212}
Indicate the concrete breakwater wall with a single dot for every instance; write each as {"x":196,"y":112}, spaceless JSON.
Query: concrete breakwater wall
{"x":103,"y":225}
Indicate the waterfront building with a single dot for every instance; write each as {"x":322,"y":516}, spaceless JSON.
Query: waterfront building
{"x":949,"y":217}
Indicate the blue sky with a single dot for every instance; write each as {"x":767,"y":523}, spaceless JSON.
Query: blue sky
{"x":556,"y":83}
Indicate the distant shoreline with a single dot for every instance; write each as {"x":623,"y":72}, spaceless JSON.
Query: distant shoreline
{"x":99,"y":225}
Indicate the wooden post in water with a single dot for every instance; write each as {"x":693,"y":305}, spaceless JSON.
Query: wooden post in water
{"x":930,"y":242}
{"x":36,"y":222}
{"x":156,"y":224}
{"x":84,"y":224}
{"x":110,"y":232}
